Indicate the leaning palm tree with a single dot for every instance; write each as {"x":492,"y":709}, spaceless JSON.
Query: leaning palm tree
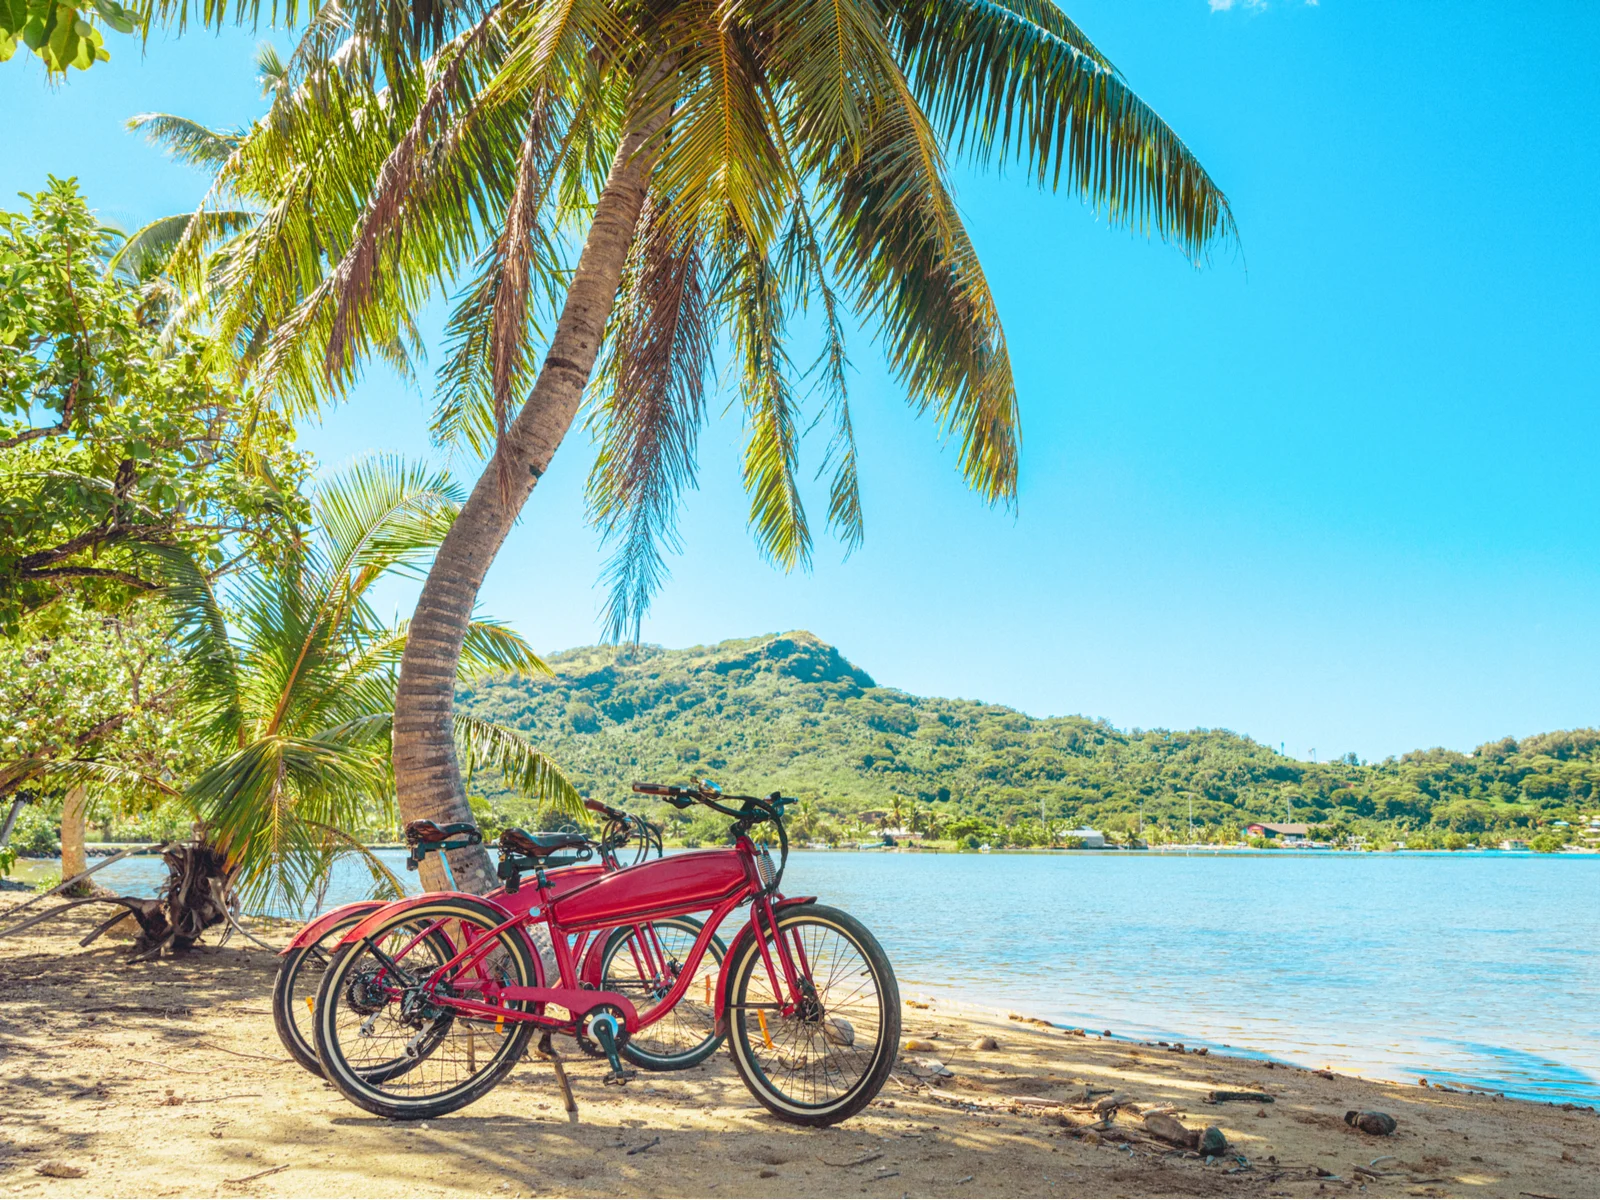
{"x":720,"y":168}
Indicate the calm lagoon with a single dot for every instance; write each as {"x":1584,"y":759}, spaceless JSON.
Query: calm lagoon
{"x":1475,"y":970}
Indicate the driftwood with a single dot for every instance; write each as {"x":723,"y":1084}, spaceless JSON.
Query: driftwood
{"x":1253,"y":1097}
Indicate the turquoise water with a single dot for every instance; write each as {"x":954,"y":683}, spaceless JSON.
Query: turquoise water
{"x":1476,"y":970}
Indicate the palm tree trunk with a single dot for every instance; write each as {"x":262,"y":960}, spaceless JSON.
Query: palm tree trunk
{"x":74,"y":855}
{"x":427,"y":780}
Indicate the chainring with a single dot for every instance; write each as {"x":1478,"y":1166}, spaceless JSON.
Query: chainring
{"x":587,"y":1044}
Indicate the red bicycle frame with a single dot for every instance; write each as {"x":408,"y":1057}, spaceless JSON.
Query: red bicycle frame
{"x":718,"y":880}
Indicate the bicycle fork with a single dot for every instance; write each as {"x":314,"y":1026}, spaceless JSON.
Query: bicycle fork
{"x":786,"y":976}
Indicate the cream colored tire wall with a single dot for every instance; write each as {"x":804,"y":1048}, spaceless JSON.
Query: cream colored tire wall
{"x":743,"y":1024}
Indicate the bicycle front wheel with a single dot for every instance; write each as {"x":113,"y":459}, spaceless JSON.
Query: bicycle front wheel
{"x":826,"y":1060}
{"x":644,"y":963}
{"x":397,"y":1050}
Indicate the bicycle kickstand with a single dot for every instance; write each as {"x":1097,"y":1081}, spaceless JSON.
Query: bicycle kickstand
{"x":604,"y":1030}
{"x":548,"y":1053}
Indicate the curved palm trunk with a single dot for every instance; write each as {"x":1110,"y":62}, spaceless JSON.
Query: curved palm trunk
{"x":427,"y":780}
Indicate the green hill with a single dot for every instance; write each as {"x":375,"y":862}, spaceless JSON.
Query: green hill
{"x":790,"y":713}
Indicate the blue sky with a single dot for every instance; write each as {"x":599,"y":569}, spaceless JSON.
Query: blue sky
{"x":1337,"y":492}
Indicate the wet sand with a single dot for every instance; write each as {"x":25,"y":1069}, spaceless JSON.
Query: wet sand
{"x":166,"y":1079}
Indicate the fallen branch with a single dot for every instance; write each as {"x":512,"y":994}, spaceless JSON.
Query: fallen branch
{"x":260,"y":1174}
{"x":1253,"y":1097}
{"x":145,"y":1062}
{"x":855,"y":1162}
{"x":1037,"y":1104}
{"x":56,"y":912}
{"x":240,"y":1053}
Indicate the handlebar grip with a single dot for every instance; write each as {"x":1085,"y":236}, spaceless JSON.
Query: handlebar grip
{"x":605,"y":810}
{"x":656,"y":789}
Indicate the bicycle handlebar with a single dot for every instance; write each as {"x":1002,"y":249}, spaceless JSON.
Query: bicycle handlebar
{"x":753,"y":810}
{"x":605,"y":810}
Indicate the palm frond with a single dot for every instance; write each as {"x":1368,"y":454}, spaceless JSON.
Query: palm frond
{"x":150,"y":248}
{"x":187,"y":141}
{"x":1015,"y":78}
{"x":383,"y":513}
{"x":717,"y":154}
{"x":494,"y":648}
{"x":485,"y":744}
{"x":805,"y":269}
{"x":213,"y":692}
{"x":777,"y":515}
{"x":508,"y":320}
{"x":900,"y":244}
{"x":351,"y":282}
{"x":653,"y":380}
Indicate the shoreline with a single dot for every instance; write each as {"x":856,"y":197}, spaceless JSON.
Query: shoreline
{"x":167,"y":1079}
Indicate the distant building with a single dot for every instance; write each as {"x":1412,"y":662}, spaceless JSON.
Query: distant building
{"x":1092,"y":839}
{"x":1513,"y":844}
{"x":1287,"y":833}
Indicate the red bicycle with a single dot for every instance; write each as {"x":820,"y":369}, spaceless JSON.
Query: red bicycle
{"x":432,"y":1001}
{"x":684,"y":1042}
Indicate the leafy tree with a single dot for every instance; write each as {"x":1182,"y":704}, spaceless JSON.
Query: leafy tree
{"x":81,"y":686}
{"x":63,"y":35}
{"x":119,"y":445}
{"x":722,"y":168}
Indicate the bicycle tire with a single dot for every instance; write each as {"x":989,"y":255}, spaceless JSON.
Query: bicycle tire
{"x":408,"y":1094}
{"x":699,"y":1015}
{"x":844,"y":954}
{"x":286,"y":996}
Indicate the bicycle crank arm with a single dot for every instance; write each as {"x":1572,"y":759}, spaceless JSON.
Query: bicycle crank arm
{"x":604,"y":1029}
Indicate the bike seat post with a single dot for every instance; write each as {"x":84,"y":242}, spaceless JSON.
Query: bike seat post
{"x":450,"y":876}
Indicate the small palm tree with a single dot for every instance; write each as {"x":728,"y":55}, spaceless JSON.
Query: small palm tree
{"x":291,"y":689}
{"x":287,"y":699}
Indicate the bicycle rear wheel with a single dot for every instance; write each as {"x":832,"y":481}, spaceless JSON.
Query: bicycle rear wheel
{"x":643,"y":962}
{"x":372,"y":1012}
{"x":829,"y":1059}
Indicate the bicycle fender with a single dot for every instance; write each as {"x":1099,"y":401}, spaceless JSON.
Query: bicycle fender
{"x":393,"y":908}
{"x":313,"y":930}
{"x":725,"y":977}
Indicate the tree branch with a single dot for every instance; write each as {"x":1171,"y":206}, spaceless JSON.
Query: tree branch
{"x":95,"y":537}
{"x":29,"y":435}
{"x":127,"y":577}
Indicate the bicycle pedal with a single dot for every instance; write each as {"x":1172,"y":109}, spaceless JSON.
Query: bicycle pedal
{"x":618,"y":1078}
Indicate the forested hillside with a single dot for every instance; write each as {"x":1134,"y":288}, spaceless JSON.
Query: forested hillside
{"x":791,"y":713}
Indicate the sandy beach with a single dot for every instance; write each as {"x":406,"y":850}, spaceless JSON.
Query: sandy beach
{"x":166,"y":1079}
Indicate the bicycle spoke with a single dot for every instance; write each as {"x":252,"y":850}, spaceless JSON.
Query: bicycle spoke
{"x":404,"y":1043}
{"x":815,"y":1057}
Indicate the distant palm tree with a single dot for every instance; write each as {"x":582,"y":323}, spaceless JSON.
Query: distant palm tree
{"x":722,"y":167}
